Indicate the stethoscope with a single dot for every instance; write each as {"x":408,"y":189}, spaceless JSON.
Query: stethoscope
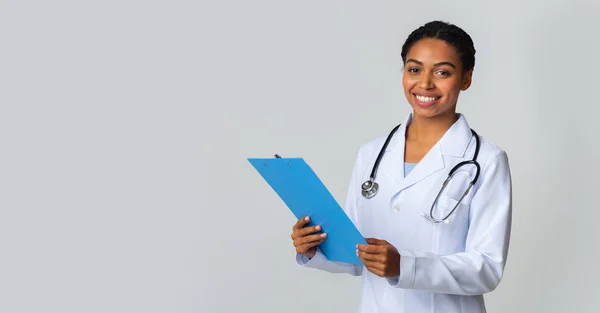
{"x":370,"y":187}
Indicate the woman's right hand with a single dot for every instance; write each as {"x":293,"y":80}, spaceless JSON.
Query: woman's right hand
{"x":305,"y":239}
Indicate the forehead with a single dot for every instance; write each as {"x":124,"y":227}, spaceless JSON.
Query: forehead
{"x":430,"y":51}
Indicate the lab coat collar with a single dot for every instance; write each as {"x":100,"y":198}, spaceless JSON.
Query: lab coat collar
{"x":454,"y":143}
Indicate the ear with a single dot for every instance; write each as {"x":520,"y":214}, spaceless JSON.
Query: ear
{"x":467,"y":77}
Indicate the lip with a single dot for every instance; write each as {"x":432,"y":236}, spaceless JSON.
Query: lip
{"x":423,"y":103}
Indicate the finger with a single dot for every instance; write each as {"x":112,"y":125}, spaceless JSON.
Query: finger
{"x":374,"y":257}
{"x":377,"y":242}
{"x":373,"y":265}
{"x":305,"y":231}
{"x":369,"y":262}
{"x":301,"y":222}
{"x":376,"y":271}
{"x":371,"y":248}
{"x":309,"y":239}
{"x":304,"y":247}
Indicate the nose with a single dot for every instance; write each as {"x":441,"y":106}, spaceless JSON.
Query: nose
{"x":426,"y":82}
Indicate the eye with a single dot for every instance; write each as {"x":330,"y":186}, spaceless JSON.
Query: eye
{"x":413,"y":70}
{"x":443,"y":73}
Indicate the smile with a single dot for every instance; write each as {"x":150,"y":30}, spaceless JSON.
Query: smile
{"x":426,"y":99}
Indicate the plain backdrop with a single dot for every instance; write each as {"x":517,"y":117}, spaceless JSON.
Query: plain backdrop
{"x":125,"y":127}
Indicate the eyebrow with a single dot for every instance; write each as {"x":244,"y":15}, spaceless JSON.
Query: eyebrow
{"x":436,"y":64}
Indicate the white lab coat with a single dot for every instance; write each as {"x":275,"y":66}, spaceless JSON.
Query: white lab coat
{"x":443,"y":267}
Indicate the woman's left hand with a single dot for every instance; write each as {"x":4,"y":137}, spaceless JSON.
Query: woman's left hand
{"x":380,"y":257}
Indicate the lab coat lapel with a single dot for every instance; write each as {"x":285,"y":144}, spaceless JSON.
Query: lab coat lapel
{"x":431,"y":163}
{"x":394,"y":160}
{"x":394,"y":154}
{"x":454,"y":142}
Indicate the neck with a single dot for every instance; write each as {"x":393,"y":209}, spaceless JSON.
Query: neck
{"x":429,"y":130}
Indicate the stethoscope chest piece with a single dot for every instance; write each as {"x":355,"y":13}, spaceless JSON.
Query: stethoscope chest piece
{"x":369,"y":189}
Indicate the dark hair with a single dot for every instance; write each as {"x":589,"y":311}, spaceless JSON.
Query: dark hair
{"x":451,"y":34}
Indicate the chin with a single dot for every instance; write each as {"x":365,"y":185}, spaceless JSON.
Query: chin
{"x":430,"y":112}
{"x":423,"y":111}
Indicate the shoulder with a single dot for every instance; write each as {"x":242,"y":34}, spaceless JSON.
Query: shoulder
{"x":373,"y":145}
{"x":369,"y":150}
{"x":493,"y":159}
{"x":488,"y":147}
{"x":488,"y":150}
{"x":367,"y":154}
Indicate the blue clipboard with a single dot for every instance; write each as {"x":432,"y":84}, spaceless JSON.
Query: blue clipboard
{"x":305,"y":195}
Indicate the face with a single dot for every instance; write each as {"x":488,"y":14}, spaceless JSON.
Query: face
{"x":433,"y":78}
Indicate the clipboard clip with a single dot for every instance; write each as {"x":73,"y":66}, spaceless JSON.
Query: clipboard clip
{"x":277,"y":156}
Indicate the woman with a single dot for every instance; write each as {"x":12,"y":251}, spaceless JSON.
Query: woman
{"x":415,"y":262}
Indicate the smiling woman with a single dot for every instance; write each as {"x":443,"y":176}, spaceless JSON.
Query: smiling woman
{"x":439,"y":59}
{"x":434,"y":244}
{"x":439,"y":62}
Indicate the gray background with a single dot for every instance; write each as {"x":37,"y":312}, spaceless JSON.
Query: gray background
{"x":125,"y":127}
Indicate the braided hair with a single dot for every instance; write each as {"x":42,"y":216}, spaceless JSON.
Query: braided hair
{"x":451,"y":34}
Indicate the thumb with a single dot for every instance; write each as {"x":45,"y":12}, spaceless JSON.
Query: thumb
{"x":377,"y":242}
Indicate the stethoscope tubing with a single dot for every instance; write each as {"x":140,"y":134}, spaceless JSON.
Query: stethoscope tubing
{"x":371,"y":187}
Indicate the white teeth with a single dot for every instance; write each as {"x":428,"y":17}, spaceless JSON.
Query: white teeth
{"x":426,"y":99}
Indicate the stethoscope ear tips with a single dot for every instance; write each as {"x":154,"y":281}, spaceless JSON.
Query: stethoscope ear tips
{"x":369,"y":189}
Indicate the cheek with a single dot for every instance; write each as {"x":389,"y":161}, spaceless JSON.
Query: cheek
{"x":407,"y":84}
{"x":450,"y":87}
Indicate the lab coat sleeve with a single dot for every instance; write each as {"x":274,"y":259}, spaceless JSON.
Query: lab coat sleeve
{"x":479,"y":269}
{"x":319,"y":261}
